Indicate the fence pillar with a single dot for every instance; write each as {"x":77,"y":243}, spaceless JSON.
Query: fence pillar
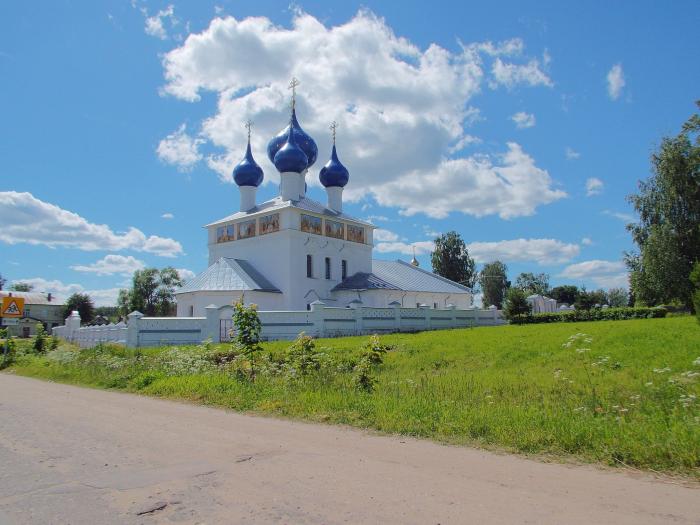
{"x":212,"y":326}
{"x":453,"y":314}
{"x":427,"y":321}
{"x":397,"y":314}
{"x":356,"y":306}
{"x":318,"y":317}
{"x":132,"y":336}
{"x":72,"y":325}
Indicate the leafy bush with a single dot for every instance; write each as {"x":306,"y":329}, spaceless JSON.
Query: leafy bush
{"x":3,"y":333}
{"x":374,"y":351}
{"x":695,"y":279}
{"x":301,"y":357}
{"x":40,"y":339}
{"x":594,"y":314}
{"x":362,"y":377}
{"x":516,"y":304}
{"x":9,"y":353}
{"x":247,"y":327}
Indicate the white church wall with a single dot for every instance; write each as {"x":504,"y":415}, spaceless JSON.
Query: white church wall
{"x":382,"y":298}
{"x":195,"y":303}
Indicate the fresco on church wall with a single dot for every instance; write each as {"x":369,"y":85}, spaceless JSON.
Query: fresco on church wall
{"x":311,"y":224}
{"x":246,"y":229}
{"x":270,"y":223}
{"x":356,"y":233}
{"x":335,"y":229}
{"x":225,"y":233}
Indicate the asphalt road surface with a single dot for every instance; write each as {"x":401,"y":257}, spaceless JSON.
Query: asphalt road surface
{"x":72,"y":455}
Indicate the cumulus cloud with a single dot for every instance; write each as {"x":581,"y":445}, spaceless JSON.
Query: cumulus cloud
{"x":605,"y":274}
{"x":112,"y":264}
{"x":616,"y":81}
{"x":586,"y":241}
{"x":511,"y":75}
{"x":101,"y":297}
{"x":185,"y":274}
{"x":167,"y":216}
{"x":541,"y":251}
{"x":523,"y":120}
{"x":385,"y":235}
{"x":402,"y":110}
{"x":180,"y":149}
{"x":594,"y":186}
{"x":26,"y":219}
{"x":624,"y":217}
{"x":155,"y":25}
{"x":510,"y":185}
{"x":571,"y":154}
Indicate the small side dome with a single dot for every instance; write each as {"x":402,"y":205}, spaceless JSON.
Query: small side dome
{"x":247,"y":172}
{"x":334,"y":173}
{"x":290,"y":157}
{"x":303,"y":140}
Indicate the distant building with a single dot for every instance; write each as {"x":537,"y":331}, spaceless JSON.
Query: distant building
{"x":39,"y":307}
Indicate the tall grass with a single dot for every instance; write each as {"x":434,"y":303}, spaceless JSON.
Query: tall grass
{"x":625,"y":393}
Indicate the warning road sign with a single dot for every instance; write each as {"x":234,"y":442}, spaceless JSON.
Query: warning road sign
{"x":12,"y":307}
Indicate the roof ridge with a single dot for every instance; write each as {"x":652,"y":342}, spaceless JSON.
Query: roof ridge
{"x":433,"y":274}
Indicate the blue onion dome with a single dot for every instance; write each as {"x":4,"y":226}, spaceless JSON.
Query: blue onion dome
{"x":304,"y":141}
{"x":247,"y":172}
{"x":290,"y":157}
{"x":334,"y":173}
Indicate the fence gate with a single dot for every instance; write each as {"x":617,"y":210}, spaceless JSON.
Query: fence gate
{"x":225,"y":328}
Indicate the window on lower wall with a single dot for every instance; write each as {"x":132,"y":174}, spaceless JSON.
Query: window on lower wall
{"x":309,"y":266}
{"x":328,"y":267}
{"x":344,"y":269}
{"x":191,"y":310}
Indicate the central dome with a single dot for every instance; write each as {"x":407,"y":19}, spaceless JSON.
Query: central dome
{"x":302,"y":139}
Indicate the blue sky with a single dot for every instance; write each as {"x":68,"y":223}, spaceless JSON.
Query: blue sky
{"x":521,"y":126}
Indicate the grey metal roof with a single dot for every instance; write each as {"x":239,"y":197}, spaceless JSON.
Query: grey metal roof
{"x":228,"y":274}
{"x":277,"y":203}
{"x":399,"y":275}
{"x":364,"y":281}
{"x":34,"y":297}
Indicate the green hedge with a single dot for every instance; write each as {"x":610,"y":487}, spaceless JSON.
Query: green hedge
{"x":594,"y":314}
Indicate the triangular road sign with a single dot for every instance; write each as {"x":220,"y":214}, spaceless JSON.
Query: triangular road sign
{"x":12,"y":307}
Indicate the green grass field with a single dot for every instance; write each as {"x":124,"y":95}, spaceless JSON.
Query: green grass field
{"x":629,"y":400}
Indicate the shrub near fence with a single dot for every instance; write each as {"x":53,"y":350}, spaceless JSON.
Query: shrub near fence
{"x":594,"y":314}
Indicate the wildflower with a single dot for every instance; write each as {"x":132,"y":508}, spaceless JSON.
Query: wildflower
{"x":697,"y":362}
{"x":661,"y":370}
{"x":648,"y":384}
{"x":579,"y":409}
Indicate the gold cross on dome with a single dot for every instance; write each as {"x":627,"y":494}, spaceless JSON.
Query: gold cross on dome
{"x":249,"y":127}
{"x":293,"y":86}
{"x":333,"y":127}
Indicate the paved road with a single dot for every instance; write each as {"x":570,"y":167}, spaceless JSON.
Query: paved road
{"x":80,"y":456}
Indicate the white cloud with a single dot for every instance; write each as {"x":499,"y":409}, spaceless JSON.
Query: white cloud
{"x":509,"y":186}
{"x":616,"y":81}
{"x":167,"y":216}
{"x":605,"y":274}
{"x":180,"y":149}
{"x":112,"y":264}
{"x":155,"y":25}
{"x":541,"y":251}
{"x":586,"y":241}
{"x":385,"y":236}
{"x":571,"y":154}
{"x":421,"y":247}
{"x":402,"y":110}
{"x":102,"y":297}
{"x":624,"y":217}
{"x":523,"y":120}
{"x":26,"y":219}
{"x":594,"y":186}
{"x":510,"y":75}
{"x":185,"y":274}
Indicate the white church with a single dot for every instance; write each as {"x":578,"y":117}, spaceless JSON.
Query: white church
{"x":291,"y":251}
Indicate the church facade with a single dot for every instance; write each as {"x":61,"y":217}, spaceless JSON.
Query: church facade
{"x":291,"y":251}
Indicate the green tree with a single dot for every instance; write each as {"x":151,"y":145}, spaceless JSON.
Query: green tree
{"x":515,"y":304}
{"x":152,"y":292}
{"x":493,"y":281}
{"x":533,"y":284}
{"x":22,"y":287}
{"x":451,"y":260}
{"x":83,"y":303}
{"x":618,"y":297}
{"x":668,"y":232}
{"x":587,"y":300}
{"x":566,"y":293}
{"x":2,"y":281}
{"x":695,"y":280}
